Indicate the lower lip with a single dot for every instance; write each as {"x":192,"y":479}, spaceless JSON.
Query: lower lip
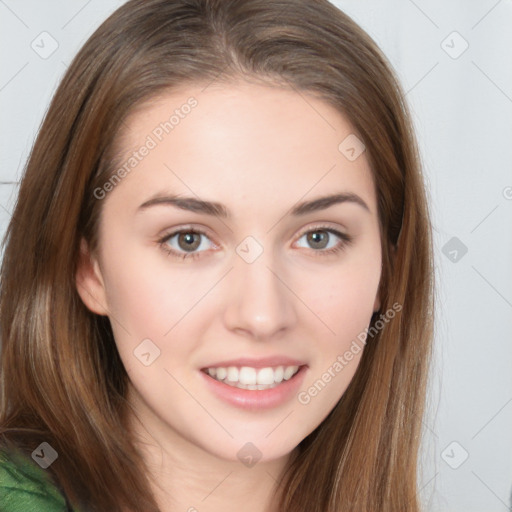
{"x":258,"y":398}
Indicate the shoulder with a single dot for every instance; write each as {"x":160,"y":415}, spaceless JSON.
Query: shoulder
{"x":26,"y":486}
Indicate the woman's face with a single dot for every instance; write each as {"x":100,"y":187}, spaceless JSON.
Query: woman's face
{"x":269,"y":283}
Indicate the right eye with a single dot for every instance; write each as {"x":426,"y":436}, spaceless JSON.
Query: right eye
{"x":185,"y":242}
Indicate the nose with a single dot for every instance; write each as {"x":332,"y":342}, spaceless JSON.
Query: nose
{"x":260,"y":303}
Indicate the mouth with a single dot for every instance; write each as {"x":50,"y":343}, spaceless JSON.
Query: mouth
{"x":251,"y":378}
{"x":255,"y":388}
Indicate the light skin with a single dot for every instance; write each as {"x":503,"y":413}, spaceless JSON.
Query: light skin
{"x":259,"y":151}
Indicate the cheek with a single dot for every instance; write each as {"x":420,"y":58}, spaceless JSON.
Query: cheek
{"x":150,"y":295}
{"x":151,"y":298}
{"x":345,"y":306}
{"x":343,"y":296}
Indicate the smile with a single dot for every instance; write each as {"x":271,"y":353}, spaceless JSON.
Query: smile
{"x":246,"y":377}
{"x":254,"y":389}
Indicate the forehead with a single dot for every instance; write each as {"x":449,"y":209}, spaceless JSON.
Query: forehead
{"x":239,"y":141}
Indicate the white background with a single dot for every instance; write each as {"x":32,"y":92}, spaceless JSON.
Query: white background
{"x":462,"y":109}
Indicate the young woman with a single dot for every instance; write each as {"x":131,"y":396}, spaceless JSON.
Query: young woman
{"x":217,"y":284}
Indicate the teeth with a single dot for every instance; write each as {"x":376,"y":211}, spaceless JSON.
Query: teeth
{"x":253,"y":378}
{"x":232,"y":374}
{"x":265,"y":376}
{"x":247,"y":376}
{"x":289,"y":371}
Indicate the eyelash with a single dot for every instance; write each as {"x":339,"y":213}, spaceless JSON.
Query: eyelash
{"x":346,"y":240}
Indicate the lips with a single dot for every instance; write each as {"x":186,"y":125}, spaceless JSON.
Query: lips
{"x":253,"y":397}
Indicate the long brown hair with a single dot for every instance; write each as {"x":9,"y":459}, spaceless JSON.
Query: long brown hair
{"x":62,"y":380}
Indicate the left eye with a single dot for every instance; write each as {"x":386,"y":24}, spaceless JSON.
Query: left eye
{"x":320,"y":238}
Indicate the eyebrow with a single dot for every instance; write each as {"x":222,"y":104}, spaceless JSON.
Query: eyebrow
{"x":220,"y":210}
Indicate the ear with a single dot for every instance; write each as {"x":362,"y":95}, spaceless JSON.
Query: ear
{"x":89,"y":281}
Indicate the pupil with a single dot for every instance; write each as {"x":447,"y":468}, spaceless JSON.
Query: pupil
{"x":189,"y":240}
{"x":317,"y":236}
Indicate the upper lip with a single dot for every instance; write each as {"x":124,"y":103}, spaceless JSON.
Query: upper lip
{"x":263,"y":362}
